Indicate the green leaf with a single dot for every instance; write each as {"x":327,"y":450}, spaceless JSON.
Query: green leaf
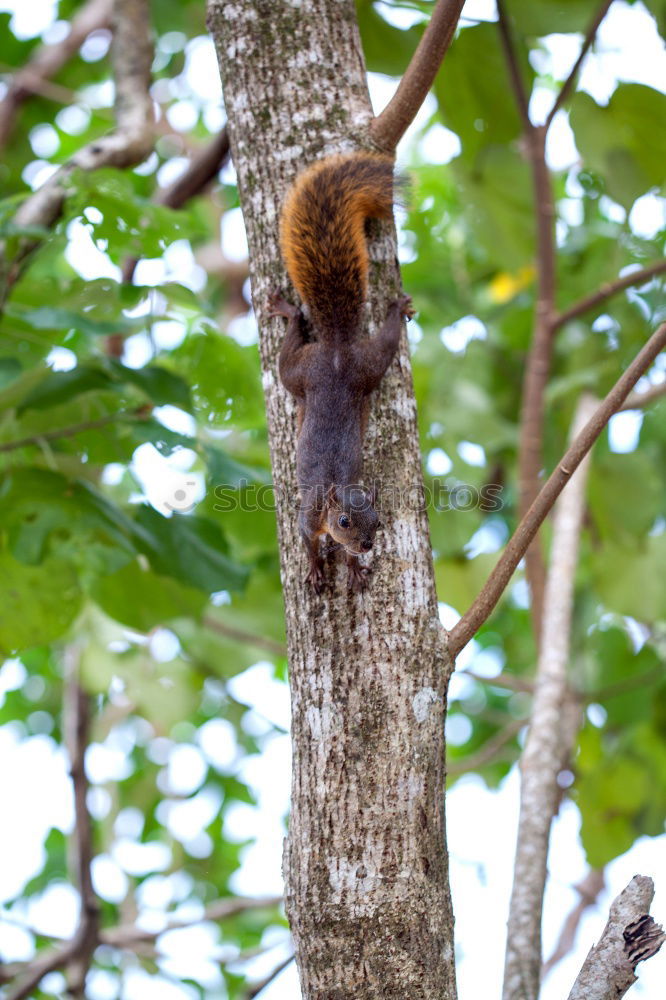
{"x":141,"y":599}
{"x":387,"y":49}
{"x":631,"y":581}
{"x":620,"y":142}
{"x":192,"y":549}
{"x":39,"y":603}
{"x":53,"y":318}
{"x":225,"y":378}
{"x":46,"y":515}
{"x":552,"y":16}
{"x":473,"y":91}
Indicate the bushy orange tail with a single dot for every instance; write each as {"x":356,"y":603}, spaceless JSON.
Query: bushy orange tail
{"x":323,"y":239}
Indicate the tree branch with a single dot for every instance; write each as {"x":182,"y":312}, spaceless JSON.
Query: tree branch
{"x":547,"y":740}
{"x":77,"y":953}
{"x":630,"y":936}
{"x":588,"y":41}
{"x":611,"y":288}
{"x":129,"y":144}
{"x":201,"y":171}
{"x":388,"y":127}
{"x":271,"y":646}
{"x":515,"y":76}
{"x":537,"y":368}
{"x":588,"y":890}
{"x":49,"y":60}
{"x":77,"y":726}
{"x":142,"y":413}
{"x":477,"y":614}
{"x":487,"y":752}
{"x":129,"y":935}
{"x":257,"y":988}
{"x":638,"y":400}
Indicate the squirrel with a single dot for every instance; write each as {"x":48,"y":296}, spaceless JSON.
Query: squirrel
{"x":322,"y":238}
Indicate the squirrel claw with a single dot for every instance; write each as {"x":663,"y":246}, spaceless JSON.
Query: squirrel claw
{"x":357,"y":577}
{"x":280,"y":307}
{"x":404,"y":303}
{"x":315,"y":578}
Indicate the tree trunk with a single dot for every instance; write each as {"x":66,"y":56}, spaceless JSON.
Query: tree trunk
{"x":365,"y":863}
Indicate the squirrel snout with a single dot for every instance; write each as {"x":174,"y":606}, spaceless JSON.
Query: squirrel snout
{"x":366,"y":545}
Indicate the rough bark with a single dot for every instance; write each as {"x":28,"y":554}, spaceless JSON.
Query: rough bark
{"x":629,"y":937}
{"x":365,"y":863}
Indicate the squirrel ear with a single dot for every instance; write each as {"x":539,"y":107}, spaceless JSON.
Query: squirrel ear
{"x":332,"y":498}
{"x":371,"y":494}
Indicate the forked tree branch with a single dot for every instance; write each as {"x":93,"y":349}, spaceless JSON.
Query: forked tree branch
{"x":49,"y":60}
{"x":611,"y":288}
{"x":132,"y":53}
{"x":630,"y":936}
{"x":131,"y":938}
{"x":588,"y":41}
{"x":484,"y":604}
{"x":549,"y":738}
{"x":391,"y":124}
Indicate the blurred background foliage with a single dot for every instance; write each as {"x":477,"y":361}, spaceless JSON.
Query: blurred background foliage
{"x":116,"y":395}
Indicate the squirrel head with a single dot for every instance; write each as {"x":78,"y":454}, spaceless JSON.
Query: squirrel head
{"x":351,"y":518}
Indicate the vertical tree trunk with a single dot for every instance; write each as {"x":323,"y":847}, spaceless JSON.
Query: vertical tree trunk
{"x":365,"y":863}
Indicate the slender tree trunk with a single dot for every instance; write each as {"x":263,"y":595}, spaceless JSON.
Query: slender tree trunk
{"x":365,"y":863}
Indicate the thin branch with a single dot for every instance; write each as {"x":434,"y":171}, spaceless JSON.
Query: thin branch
{"x":259,"y":987}
{"x":588,"y":41}
{"x":537,"y":367}
{"x":588,"y":890}
{"x":624,"y":686}
{"x":611,"y":288}
{"x":129,"y":935}
{"x":638,"y":400}
{"x":509,"y":681}
{"x":48,"y":60}
{"x":388,"y":127}
{"x":142,"y":413}
{"x":271,"y":646}
{"x":35,"y":972}
{"x":515,"y":75}
{"x":77,"y":726}
{"x":130,"y":143}
{"x":486,"y":753}
{"x":202,"y":169}
{"x":630,"y":936}
{"x":548,"y":742}
{"x":484,"y":604}
{"x":76,"y":953}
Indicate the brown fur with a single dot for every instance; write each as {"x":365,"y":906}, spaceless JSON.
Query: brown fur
{"x":324,"y":248}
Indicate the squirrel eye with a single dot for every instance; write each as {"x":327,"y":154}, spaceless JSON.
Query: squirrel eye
{"x":343,"y":521}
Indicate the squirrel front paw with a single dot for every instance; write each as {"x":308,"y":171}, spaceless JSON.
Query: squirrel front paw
{"x":280,"y":307}
{"x":404,"y":304}
{"x":358,"y":576}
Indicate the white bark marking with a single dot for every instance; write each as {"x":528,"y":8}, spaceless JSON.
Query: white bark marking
{"x":423,"y":701}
